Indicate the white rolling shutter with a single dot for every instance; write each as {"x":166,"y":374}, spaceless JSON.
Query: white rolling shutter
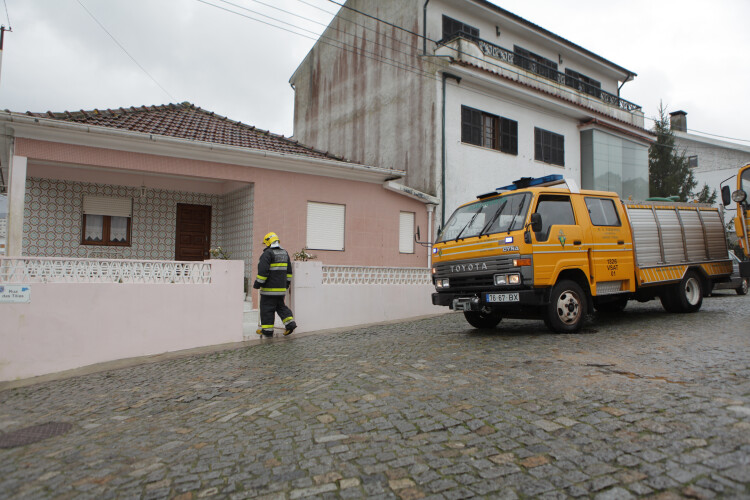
{"x":325,"y":226}
{"x":406,"y":232}
{"x":108,"y":205}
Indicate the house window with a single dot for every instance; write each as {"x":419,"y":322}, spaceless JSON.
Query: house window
{"x":452,"y":27}
{"x":325,"y":226}
{"x":489,"y":131}
{"x":692,"y":161}
{"x":406,"y":232}
{"x":549,"y":147}
{"x":535,"y":63}
{"x":106,"y":221}
{"x":602,"y":212}
{"x":583,"y":83}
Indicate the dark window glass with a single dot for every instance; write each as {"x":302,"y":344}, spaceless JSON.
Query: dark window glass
{"x":452,"y":27}
{"x":555,"y":210}
{"x":549,"y":147}
{"x":583,"y":83}
{"x":602,"y":212}
{"x":535,"y":63}
{"x":490,"y":131}
{"x":692,"y":161}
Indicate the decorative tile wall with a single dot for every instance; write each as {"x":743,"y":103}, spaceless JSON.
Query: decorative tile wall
{"x":53,"y":218}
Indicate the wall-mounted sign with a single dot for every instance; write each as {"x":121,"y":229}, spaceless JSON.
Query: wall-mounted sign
{"x":15,"y":294}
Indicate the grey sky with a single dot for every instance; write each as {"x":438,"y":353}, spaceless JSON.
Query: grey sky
{"x":688,"y":53}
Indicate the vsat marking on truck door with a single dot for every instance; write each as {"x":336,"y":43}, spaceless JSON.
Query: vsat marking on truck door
{"x":573,"y":251}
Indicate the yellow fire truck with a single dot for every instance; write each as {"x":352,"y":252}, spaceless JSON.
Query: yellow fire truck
{"x":541,"y":248}
{"x":742,"y":220}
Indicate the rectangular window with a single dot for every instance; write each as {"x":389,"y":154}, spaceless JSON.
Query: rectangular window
{"x":406,"y":232}
{"x":603,"y":212}
{"x":692,"y":161}
{"x":549,"y":147}
{"x":106,"y":221}
{"x":325,"y":226}
{"x":534,"y":63}
{"x":452,"y":27}
{"x":583,"y":83}
{"x":489,"y":131}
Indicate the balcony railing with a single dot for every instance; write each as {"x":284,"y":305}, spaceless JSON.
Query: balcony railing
{"x":510,"y":57}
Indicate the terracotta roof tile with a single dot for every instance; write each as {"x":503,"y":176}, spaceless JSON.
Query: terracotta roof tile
{"x":187,"y":121}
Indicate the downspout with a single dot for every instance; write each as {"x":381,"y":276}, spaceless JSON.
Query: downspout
{"x":424,"y":28}
{"x":627,"y":79}
{"x":430,"y":211}
{"x":442,"y":166}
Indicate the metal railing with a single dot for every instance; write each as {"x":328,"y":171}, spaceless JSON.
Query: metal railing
{"x":21,"y":270}
{"x":362,"y":275}
{"x":518,"y":60}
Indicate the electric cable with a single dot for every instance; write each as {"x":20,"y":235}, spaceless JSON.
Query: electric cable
{"x":7,"y":14}
{"x":125,"y":50}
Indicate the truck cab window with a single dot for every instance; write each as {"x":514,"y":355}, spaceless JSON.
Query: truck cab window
{"x":602,"y":212}
{"x":555,"y":210}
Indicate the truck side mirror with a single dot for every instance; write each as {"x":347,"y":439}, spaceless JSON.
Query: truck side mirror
{"x":536,"y":222}
{"x":726,"y":195}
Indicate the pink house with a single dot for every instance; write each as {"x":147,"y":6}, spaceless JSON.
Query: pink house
{"x":169,"y":183}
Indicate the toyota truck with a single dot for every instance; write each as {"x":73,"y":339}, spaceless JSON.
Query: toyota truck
{"x":742,"y":220}
{"x":541,"y":248}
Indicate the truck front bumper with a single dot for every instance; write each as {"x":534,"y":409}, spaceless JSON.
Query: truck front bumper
{"x":478,"y":300}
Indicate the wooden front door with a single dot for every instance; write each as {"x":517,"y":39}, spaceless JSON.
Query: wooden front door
{"x":193,"y":238}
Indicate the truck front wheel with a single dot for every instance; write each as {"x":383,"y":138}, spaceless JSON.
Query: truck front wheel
{"x":567,"y":308}
{"x":484,"y":319}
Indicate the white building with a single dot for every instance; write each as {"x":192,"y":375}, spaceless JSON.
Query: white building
{"x":465,"y":97}
{"x":713,"y":161}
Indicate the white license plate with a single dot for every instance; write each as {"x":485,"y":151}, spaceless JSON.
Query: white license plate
{"x":502,"y":297}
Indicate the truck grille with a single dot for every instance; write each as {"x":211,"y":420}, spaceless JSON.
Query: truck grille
{"x":474,"y":273}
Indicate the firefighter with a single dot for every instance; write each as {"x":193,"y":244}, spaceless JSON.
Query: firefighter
{"x":274,"y":276}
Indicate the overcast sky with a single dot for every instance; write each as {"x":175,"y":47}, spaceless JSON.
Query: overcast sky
{"x":690,"y":54}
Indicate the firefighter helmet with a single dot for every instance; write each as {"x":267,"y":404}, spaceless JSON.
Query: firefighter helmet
{"x":270,"y":238}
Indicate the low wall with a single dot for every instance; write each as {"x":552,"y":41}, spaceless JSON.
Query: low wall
{"x":324,"y":297}
{"x":85,"y":311}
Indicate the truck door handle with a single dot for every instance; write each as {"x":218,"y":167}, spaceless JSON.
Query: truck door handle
{"x":576,"y":242}
{"x":620,"y":242}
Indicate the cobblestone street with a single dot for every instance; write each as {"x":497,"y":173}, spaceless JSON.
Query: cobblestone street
{"x":639,"y":404}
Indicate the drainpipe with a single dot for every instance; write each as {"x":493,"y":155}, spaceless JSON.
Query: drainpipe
{"x":442,"y":168}
{"x":424,"y":28}
{"x":627,"y":79}
{"x":430,"y":211}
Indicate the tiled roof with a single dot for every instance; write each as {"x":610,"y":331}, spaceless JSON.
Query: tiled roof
{"x":187,"y":121}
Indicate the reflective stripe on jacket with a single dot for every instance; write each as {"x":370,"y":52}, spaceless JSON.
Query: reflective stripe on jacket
{"x":274,"y":271}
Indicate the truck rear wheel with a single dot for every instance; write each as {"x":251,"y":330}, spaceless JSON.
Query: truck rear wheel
{"x":567,"y":308}
{"x":742,"y":289}
{"x":484,"y":319}
{"x":686,"y":296}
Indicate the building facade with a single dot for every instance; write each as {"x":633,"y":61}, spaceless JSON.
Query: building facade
{"x":465,"y":97}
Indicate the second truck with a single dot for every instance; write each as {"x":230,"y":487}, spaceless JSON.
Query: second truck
{"x":544,"y":249}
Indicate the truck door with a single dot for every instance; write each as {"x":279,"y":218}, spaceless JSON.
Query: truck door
{"x":559,"y":245}
{"x":611,"y":249}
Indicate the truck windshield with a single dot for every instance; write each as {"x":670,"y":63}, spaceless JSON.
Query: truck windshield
{"x":494,"y":215}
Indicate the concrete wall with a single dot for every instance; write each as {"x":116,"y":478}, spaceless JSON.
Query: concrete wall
{"x":71,"y":325}
{"x":319,"y":306}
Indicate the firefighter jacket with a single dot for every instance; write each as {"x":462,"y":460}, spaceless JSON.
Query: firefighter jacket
{"x":274,"y":272}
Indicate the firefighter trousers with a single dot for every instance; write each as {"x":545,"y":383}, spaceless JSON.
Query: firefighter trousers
{"x":271,"y":305}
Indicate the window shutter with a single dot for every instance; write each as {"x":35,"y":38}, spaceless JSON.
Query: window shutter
{"x":325,"y":226}
{"x":107,"y":205}
{"x":406,"y":232}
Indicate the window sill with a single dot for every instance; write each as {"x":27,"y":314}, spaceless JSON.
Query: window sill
{"x":484,"y":148}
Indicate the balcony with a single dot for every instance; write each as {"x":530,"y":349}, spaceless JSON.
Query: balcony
{"x":477,"y":52}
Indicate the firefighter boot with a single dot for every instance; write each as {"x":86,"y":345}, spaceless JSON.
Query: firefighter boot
{"x":290,"y":328}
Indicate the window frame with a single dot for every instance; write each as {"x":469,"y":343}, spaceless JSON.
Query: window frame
{"x":600,"y":200}
{"x":410,"y":240}
{"x":308,"y":244}
{"x":503,"y":132}
{"x":544,"y":149}
{"x":106,"y":232}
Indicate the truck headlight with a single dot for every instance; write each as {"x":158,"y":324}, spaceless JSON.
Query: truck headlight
{"x":500,"y":279}
{"x":514,"y":279}
{"x":442,"y":283}
{"x":739,"y":196}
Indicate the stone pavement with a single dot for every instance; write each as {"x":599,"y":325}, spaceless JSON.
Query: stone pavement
{"x":640,"y":404}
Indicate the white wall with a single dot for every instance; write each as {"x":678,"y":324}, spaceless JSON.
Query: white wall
{"x":71,"y":325}
{"x":319,"y":306}
{"x":473,"y":170}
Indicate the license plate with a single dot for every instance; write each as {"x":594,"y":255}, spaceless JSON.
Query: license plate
{"x":502,"y":297}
